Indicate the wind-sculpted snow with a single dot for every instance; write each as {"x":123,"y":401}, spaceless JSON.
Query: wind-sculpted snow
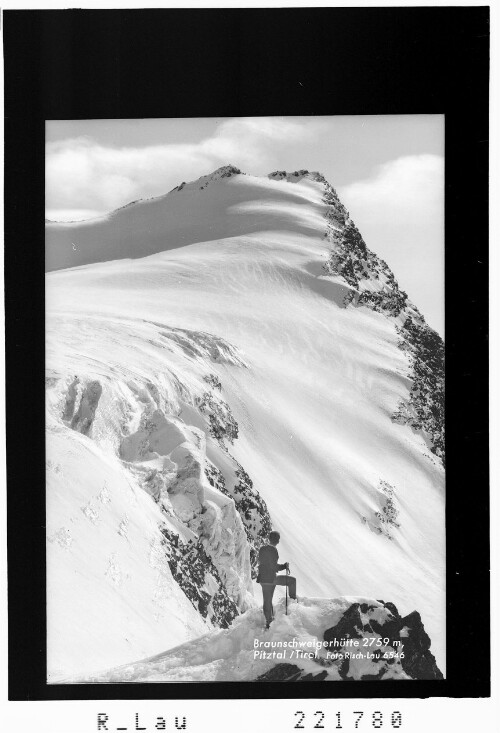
{"x":244,"y":363}
{"x":215,"y":206}
{"x":374,"y":286}
{"x":204,"y":346}
{"x":319,"y":639}
{"x":135,"y":428}
{"x":109,"y":587}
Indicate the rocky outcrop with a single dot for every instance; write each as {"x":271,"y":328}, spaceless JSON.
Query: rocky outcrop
{"x":250,"y":505}
{"x":173,"y":432}
{"x":290,"y":673}
{"x":418,"y":661}
{"x":424,"y":409}
{"x":225,"y":171}
{"x":391,"y":640}
{"x":222,"y":424}
{"x":385,"y":519}
{"x":371,"y":641}
{"x":254,"y":513}
{"x":290,"y":177}
{"x":374,"y":286}
{"x":198,"y":577}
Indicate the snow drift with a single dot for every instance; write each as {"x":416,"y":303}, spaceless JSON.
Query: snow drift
{"x":317,"y":639}
{"x":261,"y":367}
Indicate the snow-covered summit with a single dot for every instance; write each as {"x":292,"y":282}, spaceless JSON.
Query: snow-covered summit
{"x":221,"y":360}
{"x":225,"y":171}
{"x":221,"y":204}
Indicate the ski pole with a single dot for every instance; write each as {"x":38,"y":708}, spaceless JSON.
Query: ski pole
{"x":286,"y":592}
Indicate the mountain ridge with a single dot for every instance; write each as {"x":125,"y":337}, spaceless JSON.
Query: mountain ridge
{"x":263,"y":369}
{"x":225,"y":171}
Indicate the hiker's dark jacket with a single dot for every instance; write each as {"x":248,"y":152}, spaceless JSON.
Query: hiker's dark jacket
{"x":268,"y":564}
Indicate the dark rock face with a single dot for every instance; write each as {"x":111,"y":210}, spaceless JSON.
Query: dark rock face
{"x":222,"y":424}
{"x":291,"y":177}
{"x":404,"y":636}
{"x":191,"y":563}
{"x":250,"y":506}
{"x":281,"y":673}
{"x":390,"y":303}
{"x":418,"y":661}
{"x":350,"y":626}
{"x":362,"y":269}
{"x":424,"y":410}
{"x":290,"y":673}
{"x":214,"y":381}
{"x":190,"y":566}
{"x":254,"y":513}
{"x":226,"y":171}
{"x":403,"y":650}
{"x":314,"y":677}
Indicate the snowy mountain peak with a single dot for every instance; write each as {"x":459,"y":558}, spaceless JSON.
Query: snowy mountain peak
{"x":225,"y":171}
{"x":221,"y":362}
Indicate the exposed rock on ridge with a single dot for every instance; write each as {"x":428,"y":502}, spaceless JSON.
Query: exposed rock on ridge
{"x":372,"y":284}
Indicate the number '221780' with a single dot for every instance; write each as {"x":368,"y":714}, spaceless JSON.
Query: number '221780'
{"x":377,"y":719}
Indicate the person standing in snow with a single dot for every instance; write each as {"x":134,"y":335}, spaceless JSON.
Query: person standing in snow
{"x":267,"y":577}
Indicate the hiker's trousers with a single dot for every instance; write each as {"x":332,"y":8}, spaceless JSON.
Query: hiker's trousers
{"x":268,"y":592}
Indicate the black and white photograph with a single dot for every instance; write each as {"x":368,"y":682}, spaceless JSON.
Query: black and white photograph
{"x":245,"y":399}
{"x":247,"y":437}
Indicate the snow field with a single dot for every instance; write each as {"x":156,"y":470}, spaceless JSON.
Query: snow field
{"x":311,"y":384}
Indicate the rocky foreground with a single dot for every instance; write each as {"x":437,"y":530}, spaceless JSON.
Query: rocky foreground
{"x":369,"y":643}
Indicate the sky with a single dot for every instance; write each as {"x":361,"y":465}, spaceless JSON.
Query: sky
{"x":387,"y":169}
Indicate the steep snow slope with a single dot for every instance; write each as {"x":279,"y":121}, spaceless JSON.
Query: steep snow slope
{"x":110,"y":592}
{"x":234,"y":206}
{"x":241,"y":375}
